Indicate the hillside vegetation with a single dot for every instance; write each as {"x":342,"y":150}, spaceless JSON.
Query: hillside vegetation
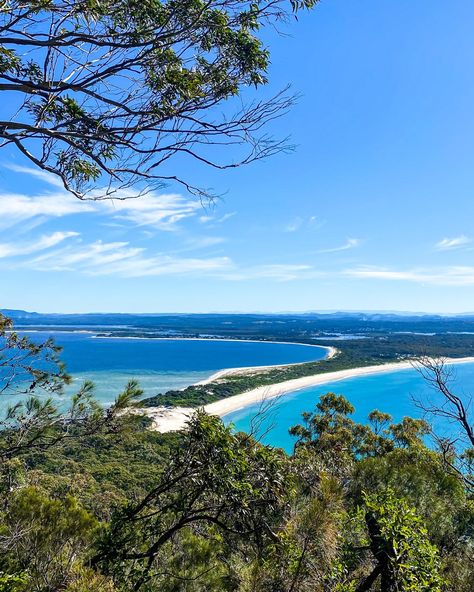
{"x":93,"y":501}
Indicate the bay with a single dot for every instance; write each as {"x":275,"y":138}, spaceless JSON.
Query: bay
{"x":162,"y":364}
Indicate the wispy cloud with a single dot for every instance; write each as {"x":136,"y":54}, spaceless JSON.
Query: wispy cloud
{"x":440,"y":276}
{"x":16,"y":208}
{"x":225,"y":217}
{"x":351,"y":243}
{"x":121,"y":259}
{"x":41,"y":244}
{"x":160,"y":211}
{"x":168,"y":265}
{"x":214,"y":219}
{"x":82,"y":257}
{"x":294,"y":225}
{"x":202,"y":242}
{"x":299,"y":223}
{"x":275,"y":271}
{"x":457,"y":242}
{"x":44,"y":176}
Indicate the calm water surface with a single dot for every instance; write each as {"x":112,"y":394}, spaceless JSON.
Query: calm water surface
{"x":163,"y":364}
{"x":391,"y":392}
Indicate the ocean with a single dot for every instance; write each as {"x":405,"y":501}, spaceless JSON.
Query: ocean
{"x":163,"y":364}
{"x":391,"y":392}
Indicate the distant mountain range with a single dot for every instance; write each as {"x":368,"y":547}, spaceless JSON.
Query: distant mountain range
{"x":354,"y":315}
{"x":18,"y":314}
{"x":282,"y":326}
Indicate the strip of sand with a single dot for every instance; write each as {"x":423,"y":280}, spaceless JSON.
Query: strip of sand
{"x":172,"y":419}
{"x":248,"y":370}
{"x":166,"y":419}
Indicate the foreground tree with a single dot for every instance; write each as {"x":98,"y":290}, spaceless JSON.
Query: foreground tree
{"x":405,"y":559}
{"x":405,"y":519}
{"x":109,"y":93}
{"x":219,"y":486}
{"x":31,"y":377}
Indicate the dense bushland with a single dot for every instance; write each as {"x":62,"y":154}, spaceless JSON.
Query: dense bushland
{"x":92,"y":500}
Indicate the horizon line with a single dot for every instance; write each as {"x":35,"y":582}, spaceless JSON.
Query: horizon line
{"x":252,"y":312}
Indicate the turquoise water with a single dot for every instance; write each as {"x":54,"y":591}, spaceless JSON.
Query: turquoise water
{"x":389,"y":392}
{"x":163,"y":364}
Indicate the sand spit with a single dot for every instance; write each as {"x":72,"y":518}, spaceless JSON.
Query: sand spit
{"x":170,"y":419}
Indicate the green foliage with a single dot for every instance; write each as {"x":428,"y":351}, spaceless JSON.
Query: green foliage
{"x":413,"y":562}
{"x":215,"y":482}
{"x":311,"y":535}
{"x":13,"y":582}
{"x":417,"y":475}
{"x":213,"y":511}
{"x":103,"y":470}
{"x":84,"y":579}
{"x":125,"y":86}
{"x":96,"y":502}
{"x":28,"y":367}
{"x":195,"y":563}
{"x":44,"y":536}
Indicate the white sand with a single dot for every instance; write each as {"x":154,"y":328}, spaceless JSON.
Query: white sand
{"x":248,"y":370}
{"x":166,"y":419}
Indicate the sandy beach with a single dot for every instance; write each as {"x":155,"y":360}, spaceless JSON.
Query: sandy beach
{"x":247,"y":370}
{"x":167,"y":419}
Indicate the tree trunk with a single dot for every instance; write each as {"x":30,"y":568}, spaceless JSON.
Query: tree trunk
{"x":382,"y":553}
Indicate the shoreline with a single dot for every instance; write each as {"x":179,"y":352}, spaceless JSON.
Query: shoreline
{"x":172,"y":419}
{"x":327,"y":347}
{"x":332,"y":351}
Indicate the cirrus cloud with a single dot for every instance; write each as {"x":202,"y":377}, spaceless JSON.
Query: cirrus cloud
{"x":121,"y":259}
{"x":457,"y":242}
{"x":351,"y":243}
{"x":157,"y":210}
{"x":43,"y":243}
{"x":439,"y":276}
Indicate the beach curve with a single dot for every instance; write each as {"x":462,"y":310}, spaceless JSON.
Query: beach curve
{"x":169,"y":419}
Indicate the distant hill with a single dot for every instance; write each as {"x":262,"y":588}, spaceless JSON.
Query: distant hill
{"x":304,"y":326}
{"x":355,"y":315}
{"x":18,"y":314}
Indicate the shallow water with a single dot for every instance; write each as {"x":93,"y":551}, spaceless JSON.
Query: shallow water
{"x":163,"y":364}
{"x":391,"y":392}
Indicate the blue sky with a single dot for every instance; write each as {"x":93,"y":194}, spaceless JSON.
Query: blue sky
{"x":373,"y":210}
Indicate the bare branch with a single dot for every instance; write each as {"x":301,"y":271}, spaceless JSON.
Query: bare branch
{"x":456,"y":448}
{"x":120,"y":95}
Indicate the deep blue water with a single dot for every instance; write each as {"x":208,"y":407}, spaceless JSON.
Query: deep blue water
{"x":163,"y":364}
{"x":389,"y":392}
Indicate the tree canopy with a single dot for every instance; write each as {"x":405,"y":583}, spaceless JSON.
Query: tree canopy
{"x":92,"y":501}
{"x":109,"y":94}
